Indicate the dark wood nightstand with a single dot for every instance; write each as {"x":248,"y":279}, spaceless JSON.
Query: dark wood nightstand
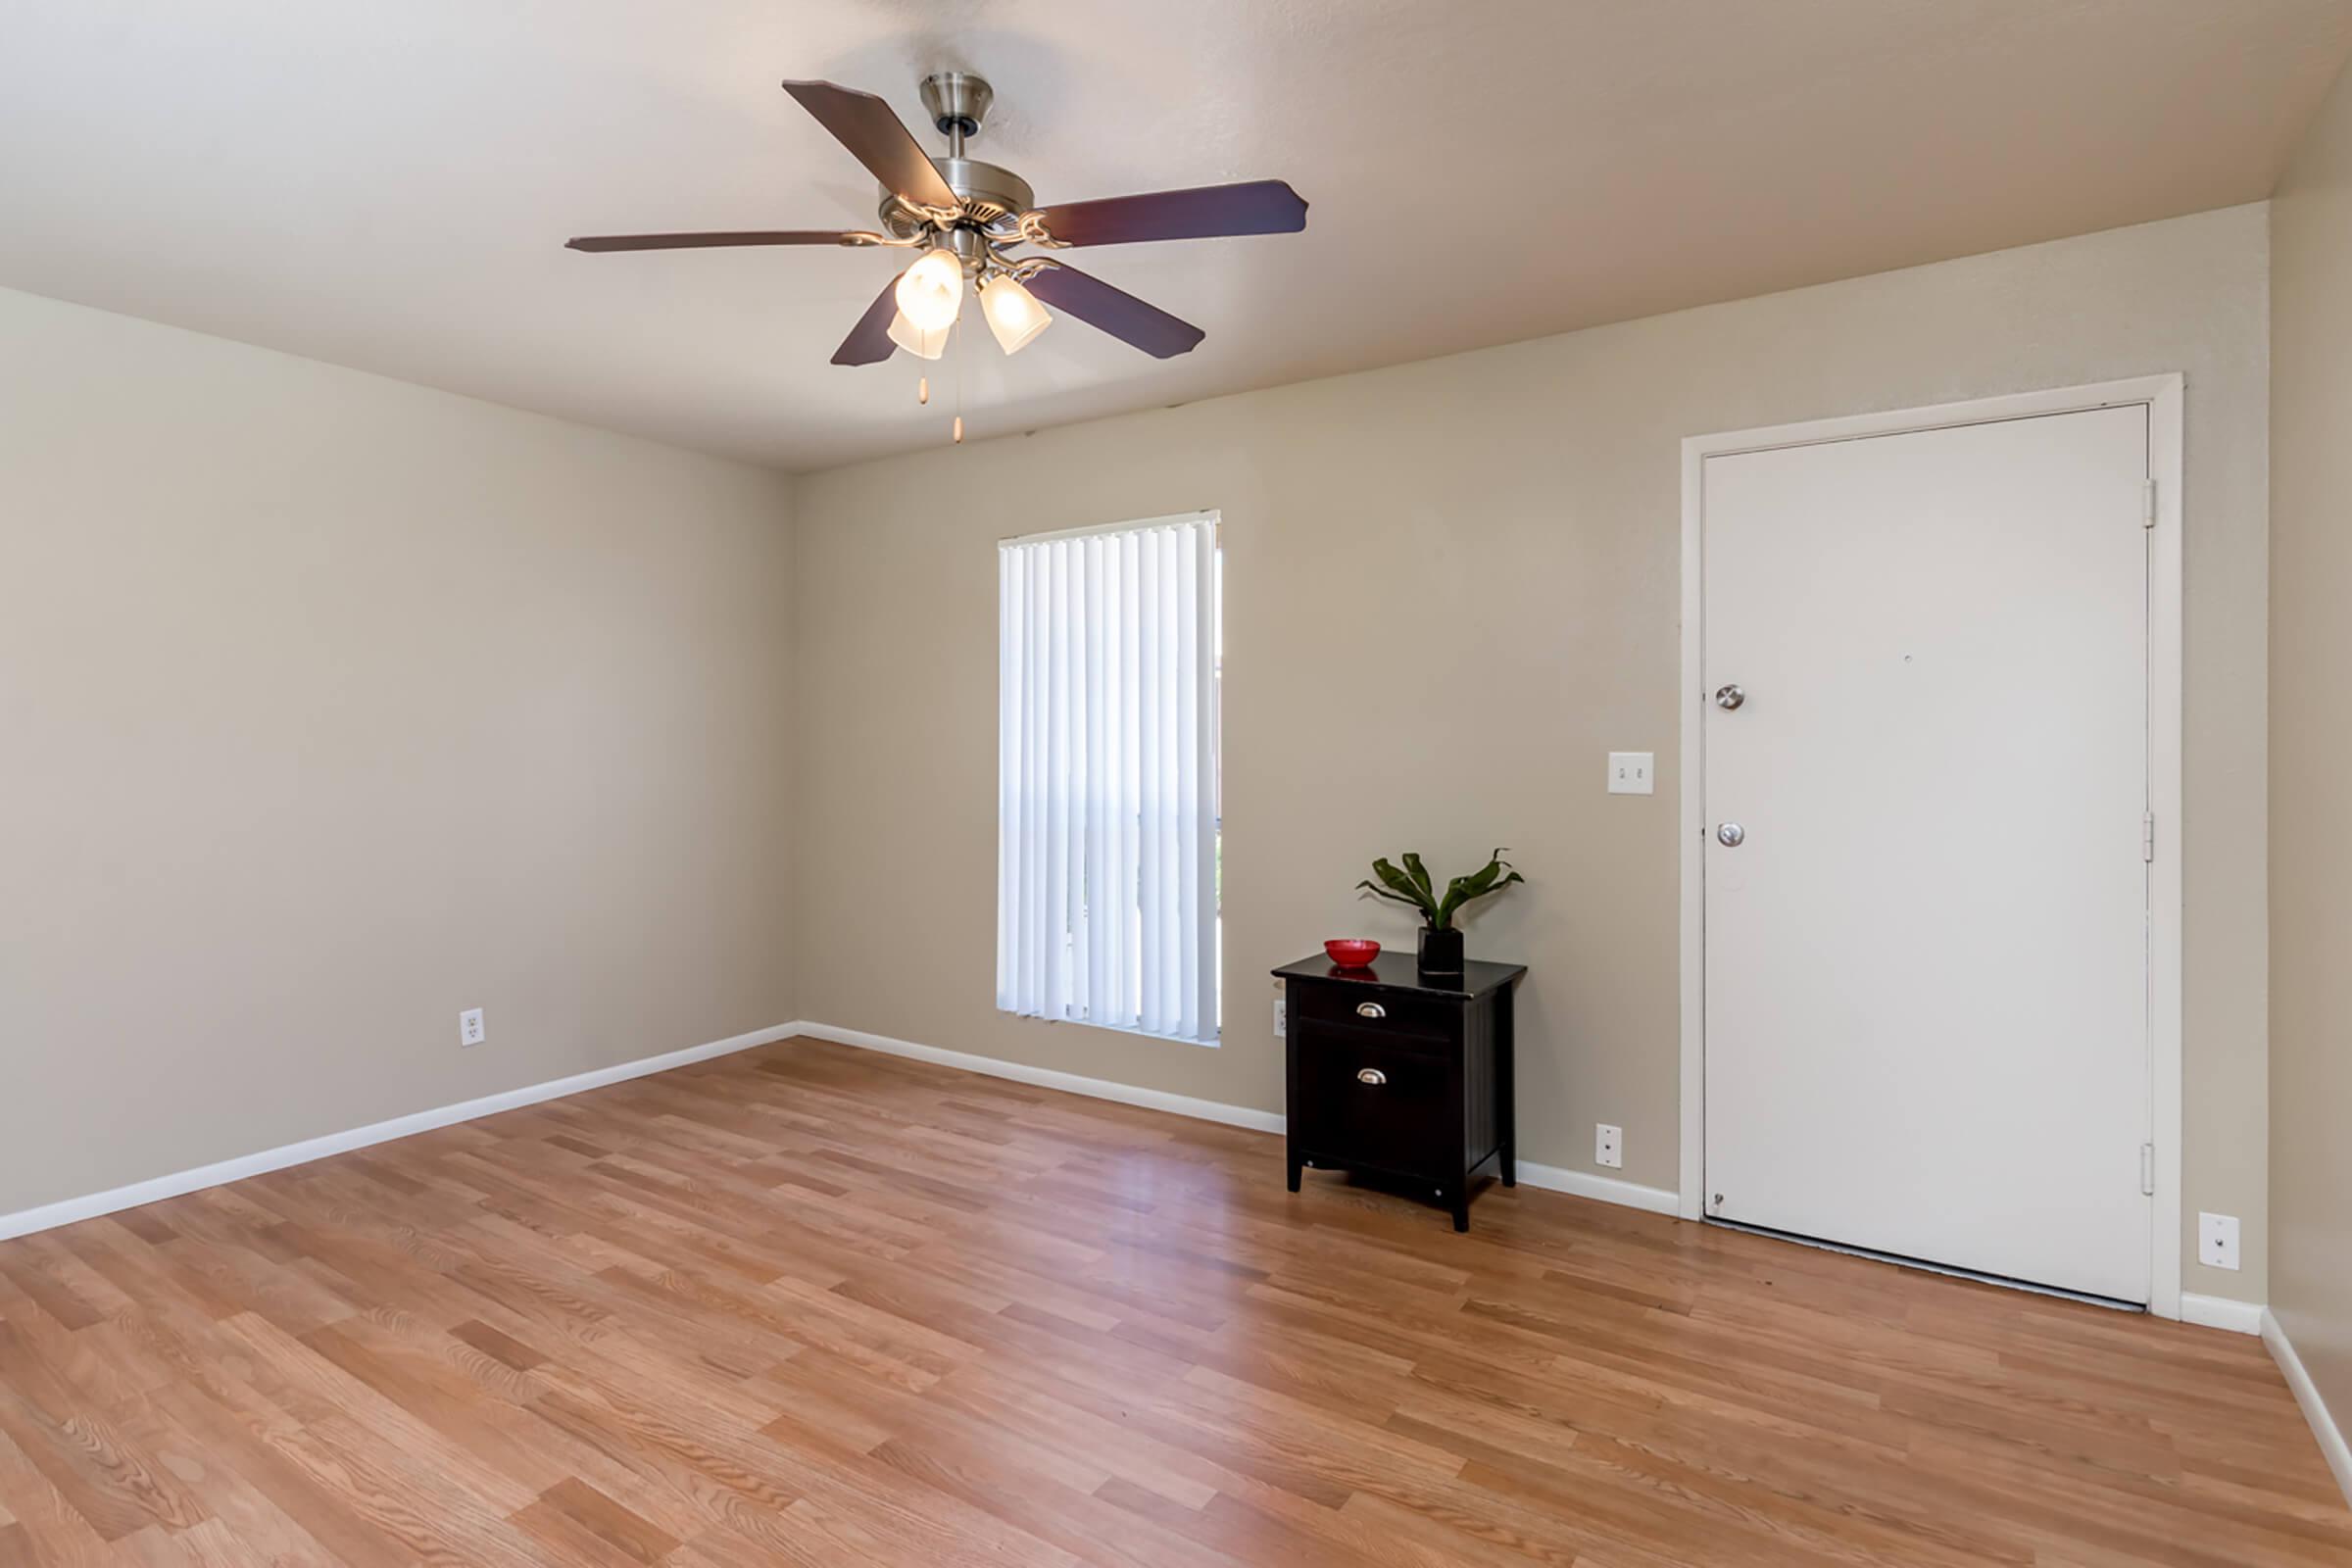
{"x":1409,"y":1074}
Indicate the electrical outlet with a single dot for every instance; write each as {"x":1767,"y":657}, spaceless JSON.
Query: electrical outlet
{"x":1608,"y":1146}
{"x":2217,"y":1241}
{"x":1631,"y":773}
{"x":1282,"y":1018}
{"x":470,"y":1027}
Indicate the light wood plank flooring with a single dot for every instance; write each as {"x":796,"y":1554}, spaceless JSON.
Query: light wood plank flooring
{"x":809,"y":1306}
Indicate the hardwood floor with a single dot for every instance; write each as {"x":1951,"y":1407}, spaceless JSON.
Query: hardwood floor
{"x":809,"y":1306}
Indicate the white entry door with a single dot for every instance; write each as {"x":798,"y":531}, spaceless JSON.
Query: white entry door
{"x":1925,"y":884}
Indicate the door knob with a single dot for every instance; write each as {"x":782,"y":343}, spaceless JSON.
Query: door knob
{"x":1728,"y":697}
{"x":1730,"y":834}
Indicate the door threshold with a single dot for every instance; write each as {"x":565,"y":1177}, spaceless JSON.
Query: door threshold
{"x":1949,"y":1270}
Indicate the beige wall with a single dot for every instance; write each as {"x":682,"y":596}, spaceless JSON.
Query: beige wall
{"x":1489,"y":544}
{"x":330,"y":705}
{"x":2311,"y":753}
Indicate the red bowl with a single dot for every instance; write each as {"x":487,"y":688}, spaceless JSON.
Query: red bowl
{"x":1351,"y":953}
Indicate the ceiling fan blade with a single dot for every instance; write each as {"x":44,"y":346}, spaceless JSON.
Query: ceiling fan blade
{"x":1260,"y":207}
{"x":1115,"y":311}
{"x":876,"y":139}
{"x":748,"y":236}
{"x":868,"y":342}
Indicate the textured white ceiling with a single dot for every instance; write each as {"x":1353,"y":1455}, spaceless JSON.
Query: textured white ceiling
{"x":388,"y":185}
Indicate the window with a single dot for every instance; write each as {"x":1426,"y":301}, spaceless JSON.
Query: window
{"x":1107,"y":822}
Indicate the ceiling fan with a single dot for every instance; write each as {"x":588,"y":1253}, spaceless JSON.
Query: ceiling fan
{"x":964,"y":217}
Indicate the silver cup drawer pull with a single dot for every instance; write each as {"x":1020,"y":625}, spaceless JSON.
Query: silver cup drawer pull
{"x":1371,"y":1075}
{"x":1370,"y":1010}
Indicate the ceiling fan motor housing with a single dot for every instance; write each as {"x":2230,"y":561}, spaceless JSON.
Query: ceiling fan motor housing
{"x":958,"y":103}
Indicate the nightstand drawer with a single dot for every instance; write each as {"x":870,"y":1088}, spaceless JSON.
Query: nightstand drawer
{"x":1386,"y":1011}
{"x":1364,"y":1099}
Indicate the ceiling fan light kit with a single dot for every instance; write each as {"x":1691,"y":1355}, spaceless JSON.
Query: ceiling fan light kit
{"x":914,"y":340}
{"x":966,"y":219}
{"x":930,"y":293}
{"x":1012,"y":311}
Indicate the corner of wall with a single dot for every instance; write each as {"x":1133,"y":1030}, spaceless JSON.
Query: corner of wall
{"x":789,"y":490}
{"x":2310,"y":766}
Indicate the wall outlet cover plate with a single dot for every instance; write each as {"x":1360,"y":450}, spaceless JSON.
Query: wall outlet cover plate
{"x":2217,"y":1241}
{"x":1633,"y":773}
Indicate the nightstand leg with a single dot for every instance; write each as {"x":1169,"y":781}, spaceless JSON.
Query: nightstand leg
{"x":1293,"y":1175}
{"x":1506,"y":1088}
{"x":1461,"y":1208}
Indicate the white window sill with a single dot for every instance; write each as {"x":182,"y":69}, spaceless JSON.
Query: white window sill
{"x":1212,"y":1043}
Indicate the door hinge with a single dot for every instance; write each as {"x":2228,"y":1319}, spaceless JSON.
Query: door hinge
{"x":2148,"y":836}
{"x":2147,"y":505}
{"x":2147,"y":1171}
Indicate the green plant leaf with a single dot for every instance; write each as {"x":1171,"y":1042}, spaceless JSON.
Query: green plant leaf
{"x":1379,"y":891}
{"x":1389,"y":876}
{"x":1420,"y":874}
{"x":1487,"y":878}
{"x":1406,"y":888}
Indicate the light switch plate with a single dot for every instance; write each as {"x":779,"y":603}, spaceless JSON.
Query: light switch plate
{"x":2217,"y":1241}
{"x":1631,"y":772}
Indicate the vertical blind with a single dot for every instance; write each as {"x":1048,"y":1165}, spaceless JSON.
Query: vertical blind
{"x":1106,"y":794}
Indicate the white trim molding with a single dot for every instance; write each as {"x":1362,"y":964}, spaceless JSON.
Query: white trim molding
{"x":1600,"y":1189}
{"x":2163,"y":397}
{"x":1263,"y":1121}
{"x":1551,"y":1178}
{"x":2307,"y":1394}
{"x":2221,"y":1312}
{"x":156,"y":1188}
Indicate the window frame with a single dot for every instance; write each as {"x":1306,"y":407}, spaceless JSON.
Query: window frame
{"x":1212,"y":852}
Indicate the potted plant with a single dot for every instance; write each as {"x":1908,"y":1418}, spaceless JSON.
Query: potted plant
{"x":1440,"y":943}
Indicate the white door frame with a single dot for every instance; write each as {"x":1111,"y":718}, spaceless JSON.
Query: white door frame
{"x":2161,"y":395}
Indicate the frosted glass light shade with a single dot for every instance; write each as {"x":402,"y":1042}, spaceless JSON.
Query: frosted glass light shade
{"x":1013,"y":313}
{"x":931,"y":291}
{"x":915,"y":341}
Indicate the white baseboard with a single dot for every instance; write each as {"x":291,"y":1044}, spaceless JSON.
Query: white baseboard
{"x":1551,"y":1178}
{"x":1264,"y":1121}
{"x":2307,"y":1394}
{"x":1605,"y":1188}
{"x":2221,"y":1312}
{"x":67,"y":1211}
